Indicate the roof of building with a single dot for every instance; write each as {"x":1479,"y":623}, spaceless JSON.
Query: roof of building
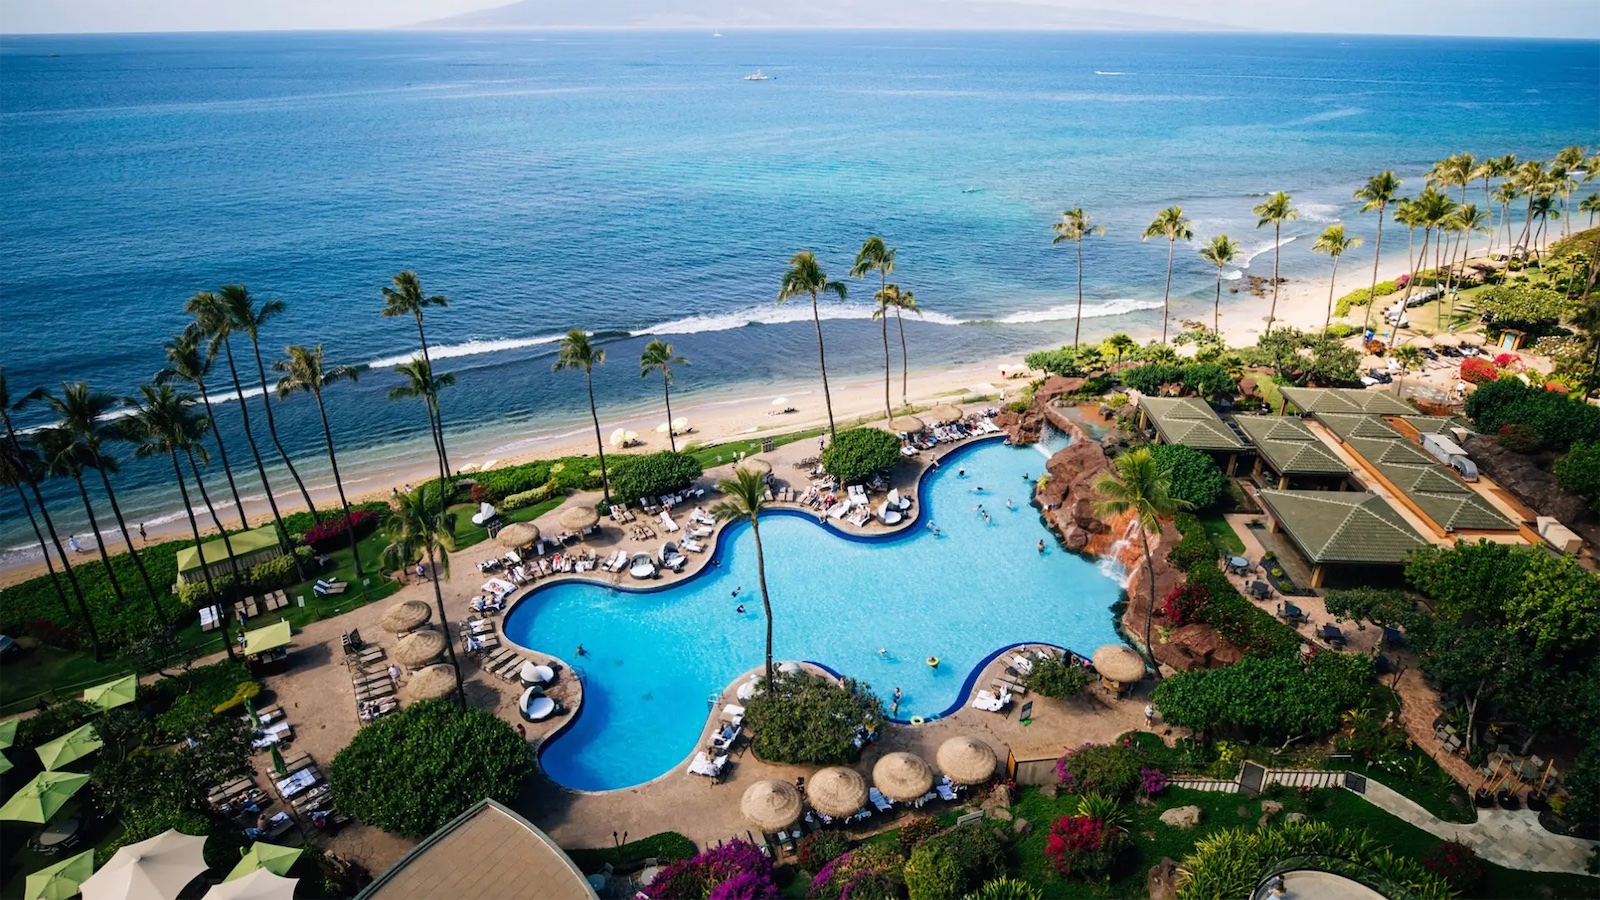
{"x":487,"y":851}
{"x":1432,"y":488}
{"x":1346,"y":400}
{"x":1289,"y":446}
{"x":244,"y":543}
{"x":1190,"y":421}
{"x":1342,"y":526}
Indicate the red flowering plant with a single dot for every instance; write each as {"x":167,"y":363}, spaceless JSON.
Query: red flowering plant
{"x":1185,"y":603}
{"x":1508,"y":361}
{"x":330,"y":534}
{"x":1477,"y":370}
{"x":1083,"y":845}
{"x":1457,"y":864}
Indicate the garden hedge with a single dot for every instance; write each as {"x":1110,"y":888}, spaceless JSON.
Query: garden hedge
{"x":860,"y":453}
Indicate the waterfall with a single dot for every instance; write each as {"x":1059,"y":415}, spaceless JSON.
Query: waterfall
{"x":1052,"y":440}
{"x":1124,"y":555}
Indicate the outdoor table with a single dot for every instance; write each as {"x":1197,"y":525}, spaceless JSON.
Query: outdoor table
{"x":58,"y":833}
{"x":1239,"y":563}
{"x":1260,"y":589}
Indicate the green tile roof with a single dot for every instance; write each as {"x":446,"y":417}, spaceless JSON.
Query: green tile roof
{"x":1289,"y":446}
{"x":244,"y":544}
{"x":1190,"y":421}
{"x":1346,"y":400}
{"x":1342,"y":527}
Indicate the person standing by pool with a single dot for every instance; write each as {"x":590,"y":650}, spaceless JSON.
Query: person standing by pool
{"x":1041,"y":545}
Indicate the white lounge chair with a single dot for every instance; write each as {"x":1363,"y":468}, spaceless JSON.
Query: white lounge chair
{"x":667,"y":523}
{"x":693,"y":546}
{"x":641,"y":566}
{"x":879,"y":800}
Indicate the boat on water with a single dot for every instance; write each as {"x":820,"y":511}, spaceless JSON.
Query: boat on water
{"x":716,"y":34}
{"x":757,"y":76}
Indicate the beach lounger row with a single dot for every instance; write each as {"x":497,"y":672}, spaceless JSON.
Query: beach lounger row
{"x":479,"y":636}
{"x":329,"y":588}
{"x":504,"y":664}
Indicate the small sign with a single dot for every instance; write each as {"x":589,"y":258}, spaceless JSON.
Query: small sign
{"x":302,"y":599}
{"x":1027,"y":712}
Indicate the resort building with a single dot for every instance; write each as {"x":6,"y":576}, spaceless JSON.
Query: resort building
{"x":1192,"y":421}
{"x":1341,"y":529}
{"x":1356,"y":401}
{"x":250,"y":548}
{"x":486,"y":852}
{"x":1289,"y":455}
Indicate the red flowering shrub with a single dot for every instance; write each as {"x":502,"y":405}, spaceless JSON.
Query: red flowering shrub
{"x":1477,"y":370}
{"x":1456,"y":863}
{"x":1507,"y":360}
{"x":819,"y":848}
{"x":1556,"y":387}
{"x":331,"y":535}
{"x":1080,"y":845}
{"x":1185,"y":604}
{"x":1110,"y":769}
{"x":916,"y":830}
{"x":479,"y":495}
{"x":1519,"y":438}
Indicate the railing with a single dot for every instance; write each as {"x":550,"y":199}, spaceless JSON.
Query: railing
{"x":1252,"y":779}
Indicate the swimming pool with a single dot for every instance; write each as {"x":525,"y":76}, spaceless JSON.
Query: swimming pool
{"x":654,"y":658}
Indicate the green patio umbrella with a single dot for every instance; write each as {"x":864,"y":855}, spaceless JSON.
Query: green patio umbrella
{"x":75,"y":744}
{"x":5,"y":764}
{"x":250,"y":710}
{"x":113,"y":694}
{"x":42,"y":797}
{"x":8,"y":733}
{"x":278,"y":765}
{"x":60,"y":881}
{"x":269,"y":638}
{"x":273,"y":857}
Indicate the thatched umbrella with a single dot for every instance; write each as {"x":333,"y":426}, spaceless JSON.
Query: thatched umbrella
{"x":944,"y":413}
{"x":404,"y":616}
{"x":518,"y":534}
{"x":906,"y":425}
{"x":419,"y":648}
{"x":577,"y":518}
{"x":902,"y":777}
{"x":1119,"y":665}
{"x":772,"y":805}
{"x":755,"y":466}
{"x":432,"y":683}
{"x":837,"y":791}
{"x":966,"y":760}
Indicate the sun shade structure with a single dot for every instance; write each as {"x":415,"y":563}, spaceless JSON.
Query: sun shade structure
{"x":154,"y":869}
{"x":258,"y":885}
{"x":8,"y":733}
{"x":404,"y":616}
{"x":249,"y":548}
{"x":755,"y":466}
{"x":113,"y":694}
{"x":1287,"y":445}
{"x":419,"y":647}
{"x":944,"y":413}
{"x":771,"y":805}
{"x":1118,"y":663}
{"x":966,"y":760}
{"x":432,"y":683}
{"x":42,"y":797}
{"x":269,"y":638}
{"x":74,"y":745}
{"x":5,"y":764}
{"x":271,"y":857}
{"x":837,"y":791}
{"x":902,"y":777}
{"x":906,"y":425}
{"x":518,"y":534}
{"x":1345,"y":400}
{"x":1190,"y":421}
{"x":60,"y":881}
{"x":577,"y":518}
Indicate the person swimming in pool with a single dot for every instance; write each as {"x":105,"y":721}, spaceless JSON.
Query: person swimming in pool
{"x":1041,"y":545}
{"x":737,"y":590}
{"x":1008,"y":503}
{"x":740,"y":610}
{"x":961,"y":473}
{"x":581,"y":651}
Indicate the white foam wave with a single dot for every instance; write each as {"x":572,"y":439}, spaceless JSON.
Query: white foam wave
{"x":796,"y":311}
{"x":1319,"y":212}
{"x":1109,"y":74}
{"x":1069,"y":311}
{"x":473,"y":347}
{"x":1233,"y":275}
{"x":1265,"y":247}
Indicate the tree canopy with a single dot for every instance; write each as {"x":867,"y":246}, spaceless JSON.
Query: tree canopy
{"x":810,"y":719}
{"x":1194,"y":476}
{"x":1270,"y":697}
{"x":653,"y":475}
{"x":859,"y":453}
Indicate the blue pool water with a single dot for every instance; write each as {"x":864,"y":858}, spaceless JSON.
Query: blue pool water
{"x":655,"y":658}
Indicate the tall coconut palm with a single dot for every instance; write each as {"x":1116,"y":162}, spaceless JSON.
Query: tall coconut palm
{"x":903,"y":302}
{"x":1379,"y":191}
{"x":579,"y":353}
{"x":419,"y":381}
{"x":1506,"y":194}
{"x":746,"y":494}
{"x":1545,"y":208}
{"x":1467,"y":221}
{"x":1221,"y":252}
{"x":1590,"y":205}
{"x":805,"y":277}
{"x":885,"y":299}
{"x":406,"y":298}
{"x":1136,"y":485}
{"x":1169,"y":224}
{"x":1497,"y":167}
{"x":658,"y":357}
{"x":187,"y":360}
{"x":1430,"y":210}
{"x":875,"y":257}
{"x":63,"y":457}
{"x":1075,"y":226}
{"x":418,"y":530}
{"x":1275,"y":210}
{"x":83,"y":414}
{"x":1531,"y":179}
{"x":247,"y":318}
{"x":1570,"y":159}
{"x":211,"y":316}
{"x":1335,"y":243}
{"x":18,"y":466}
{"x":305,"y":371}
{"x":164,"y":424}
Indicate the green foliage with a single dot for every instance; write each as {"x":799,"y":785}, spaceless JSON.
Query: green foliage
{"x":297,"y":524}
{"x":653,"y":475}
{"x":1578,"y":472}
{"x":570,"y":473}
{"x":118,"y":624}
{"x":807,"y":718}
{"x":1547,"y":599}
{"x":412,"y":771}
{"x":1534,"y":310}
{"x":1361,"y":296}
{"x":1150,"y":379}
{"x":1305,"y":357}
{"x":523,"y":499}
{"x":819,"y":848}
{"x":947,"y":866}
{"x":1073,"y":363}
{"x":1274,"y":698}
{"x":1195,"y":548}
{"x":264,"y":576}
{"x":666,"y":846}
{"x":1583,"y":787}
{"x":1232,"y":863}
{"x":1057,"y":677}
{"x":1195,"y":477}
{"x":1005,"y":888}
{"x":1558,"y":419}
{"x":869,"y":872}
{"x":248,"y":690}
{"x":859,"y":453}
{"x":1110,"y":770}
{"x":189,"y":700}
{"x":1244,"y":625}
{"x":1394,"y":609}
{"x":52,"y":722}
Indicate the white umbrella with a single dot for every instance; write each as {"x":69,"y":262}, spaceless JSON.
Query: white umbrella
{"x":154,"y":869}
{"x":780,"y":401}
{"x":788,"y":668}
{"x":663,"y":428}
{"x":680,"y":423}
{"x":258,"y":885}
{"x":619,"y":437}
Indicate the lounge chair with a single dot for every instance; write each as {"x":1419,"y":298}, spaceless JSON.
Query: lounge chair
{"x":990,"y":702}
{"x":210,"y":618}
{"x":879,"y":800}
{"x":693,"y":546}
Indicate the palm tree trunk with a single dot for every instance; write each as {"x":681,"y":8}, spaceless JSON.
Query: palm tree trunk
{"x":1077,"y":325}
{"x":55,"y":539}
{"x":905,"y":362}
{"x":49,"y":563}
{"x":600,"y":446}
{"x":199,"y":548}
{"x":1277,"y":251}
{"x":226,"y":607}
{"x":1166,"y":295}
{"x":1505,"y":218}
{"x":1332,"y":279}
{"x":1150,"y":614}
{"x":444,"y":625}
{"x":1372,"y":293}
{"x":222,"y":453}
{"x":1411,"y":284}
{"x":138,"y":562}
{"x":255,"y":453}
{"x":422,"y":338}
{"x":888,"y":409}
{"x":822,"y":361}
{"x":666,"y":394}
{"x":1488,"y":204}
{"x":766,"y":600}
{"x":333,"y":461}
{"x":100,"y":545}
{"x":272,"y":431}
{"x":444,"y":481}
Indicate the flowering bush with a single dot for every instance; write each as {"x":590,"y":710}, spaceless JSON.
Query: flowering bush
{"x":1456,"y":863}
{"x":1112,"y":770}
{"x":865,"y":873}
{"x":734,"y":871}
{"x":916,"y":830}
{"x":1082,"y":845}
{"x":1152,"y":781}
{"x":819,"y":848}
{"x":1477,"y":370}
{"x":1507,"y":360}
{"x":330,"y":534}
{"x":1185,"y":603}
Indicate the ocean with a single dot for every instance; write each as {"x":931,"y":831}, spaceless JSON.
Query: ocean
{"x":635,"y":185}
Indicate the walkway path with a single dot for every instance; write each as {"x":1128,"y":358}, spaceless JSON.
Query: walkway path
{"x":1513,"y":839}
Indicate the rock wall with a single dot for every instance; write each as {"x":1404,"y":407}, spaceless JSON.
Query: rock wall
{"x":1529,"y":477}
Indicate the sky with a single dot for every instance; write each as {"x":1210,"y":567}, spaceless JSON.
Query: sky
{"x":1545,"y":18}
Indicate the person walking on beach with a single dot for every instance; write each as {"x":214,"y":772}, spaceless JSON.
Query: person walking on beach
{"x":142,"y":536}
{"x":73,"y":542}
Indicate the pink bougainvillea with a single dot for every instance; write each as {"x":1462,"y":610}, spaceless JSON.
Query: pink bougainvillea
{"x":1080,"y":845}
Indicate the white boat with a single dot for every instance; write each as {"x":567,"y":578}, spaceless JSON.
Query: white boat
{"x":642,"y":566}
{"x":716,"y":34}
{"x":757,"y":76}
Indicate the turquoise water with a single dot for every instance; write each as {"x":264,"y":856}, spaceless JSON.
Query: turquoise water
{"x":654,"y":658}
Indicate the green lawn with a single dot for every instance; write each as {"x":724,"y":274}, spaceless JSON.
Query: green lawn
{"x":468,"y":534}
{"x":1222,"y":534}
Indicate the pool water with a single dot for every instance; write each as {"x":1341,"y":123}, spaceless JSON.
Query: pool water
{"x":654,"y":659}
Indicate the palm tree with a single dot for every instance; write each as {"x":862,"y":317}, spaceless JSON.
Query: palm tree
{"x":903,"y":301}
{"x":416,"y":530}
{"x":747,"y":496}
{"x":658,"y":357}
{"x":186,"y":361}
{"x":805,"y":276}
{"x":1531,"y":179}
{"x":1467,"y":220}
{"x":1276,"y":209}
{"x":1590,"y":205}
{"x":83,"y":415}
{"x":887,"y":298}
{"x":1119,"y":344}
{"x":1379,"y":191}
{"x":875,"y":257}
{"x":211,"y":317}
{"x":578,"y":352}
{"x":1505,"y":195}
{"x":1075,"y":226}
{"x":1170,"y":224}
{"x":421,"y":382}
{"x":305,"y":372}
{"x":1544,"y":209}
{"x":1430,"y":210}
{"x":1569,"y":160}
{"x":407,"y":299}
{"x":1137,"y":485}
{"x":246,"y":317}
{"x":1222,"y":251}
{"x":1333,"y":242}
{"x":63,"y":457}
{"x":163,"y":424}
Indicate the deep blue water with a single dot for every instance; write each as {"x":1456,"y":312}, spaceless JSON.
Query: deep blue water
{"x":634,"y":184}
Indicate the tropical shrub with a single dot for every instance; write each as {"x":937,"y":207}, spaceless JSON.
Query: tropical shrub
{"x":1560,"y":420}
{"x":1152,"y":781}
{"x":1232,"y":863}
{"x":1005,"y":888}
{"x":1534,"y":310}
{"x":1362,"y":296}
{"x":523,"y":499}
{"x":52,"y":722}
{"x":871,"y":871}
{"x":1150,"y":379}
{"x":1518,"y":438}
{"x":1084,"y":845}
{"x":1056,"y":676}
{"x":656,"y":474}
{"x":819,"y":848}
{"x":860,"y":453}
{"x":1069,"y":361}
{"x":1209,"y":379}
{"x":1195,"y":547}
{"x":1195,"y":477}
{"x":1185,"y":604}
{"x":1246,"y":626}
{"x":331,"y":535}
{"x":1578,"y":472}
{"x":459,"y":755}
{"x":810,"y":719}
{"x":1111,"y":770}
{"x":118,"y":624}
{"x":948,"y":865}
{"x":1269,"y":697}
{"x":915,"y":831}
{"x":1477,"y":370}
{"x":1457,"y":864}
{"x":1583,"y":787}
{"x":734,"y":871}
